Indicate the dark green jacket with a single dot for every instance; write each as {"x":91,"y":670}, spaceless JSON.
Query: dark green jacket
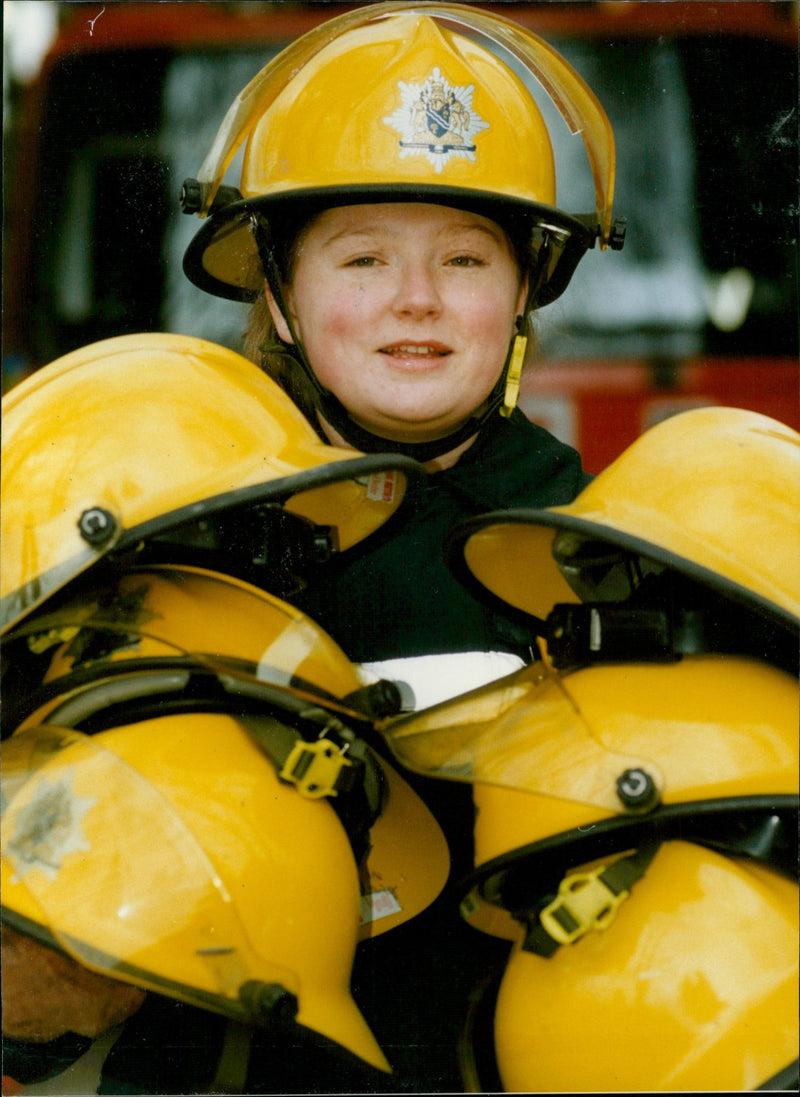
{"x":393,"y":595}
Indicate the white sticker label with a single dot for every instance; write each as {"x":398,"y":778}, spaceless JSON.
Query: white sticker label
{"x":377,"y":905}
{"x":382,"y":486}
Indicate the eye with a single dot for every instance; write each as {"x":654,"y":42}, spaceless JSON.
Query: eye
{"x":465,"y":261}
{"x":362,"y":261}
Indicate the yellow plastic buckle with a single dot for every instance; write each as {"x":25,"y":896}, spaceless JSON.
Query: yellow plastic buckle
{"x":314,"y":768}
{"x":584,"y":902}
{"x":511,"y":393}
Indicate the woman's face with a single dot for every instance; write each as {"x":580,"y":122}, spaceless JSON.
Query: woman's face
{"x":406,"y":311}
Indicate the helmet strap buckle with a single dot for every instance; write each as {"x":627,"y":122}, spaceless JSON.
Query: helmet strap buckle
{"x":511,"y":394}
{"x":586,"y":901}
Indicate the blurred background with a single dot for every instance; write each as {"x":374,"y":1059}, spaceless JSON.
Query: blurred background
{"x":108,"y":107}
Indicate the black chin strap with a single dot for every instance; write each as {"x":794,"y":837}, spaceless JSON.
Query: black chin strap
{"x":337,"y":415}
{"x":342,"y":422}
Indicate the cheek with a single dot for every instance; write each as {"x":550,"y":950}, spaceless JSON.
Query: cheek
{"x":490,"y":320}
{"x":334,"y":328}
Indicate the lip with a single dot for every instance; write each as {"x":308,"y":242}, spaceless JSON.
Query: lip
{"x":413,"y":355}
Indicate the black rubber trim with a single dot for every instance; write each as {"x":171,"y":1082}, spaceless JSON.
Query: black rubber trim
{"x":785,"y":1081}
{"x":310,"y":200}
{"x":280,"y":491}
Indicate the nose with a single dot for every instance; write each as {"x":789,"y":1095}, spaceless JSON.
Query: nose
{"x":417,"y":291}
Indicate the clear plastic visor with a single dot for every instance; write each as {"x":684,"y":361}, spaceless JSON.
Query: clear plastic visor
{"x":70,"y":809}
{"x":101,"y":661}
{"x":522,"y":732}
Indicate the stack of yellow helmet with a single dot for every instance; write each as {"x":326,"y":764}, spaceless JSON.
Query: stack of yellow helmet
{"x":636,"y":787}
{"x":190,"y":800}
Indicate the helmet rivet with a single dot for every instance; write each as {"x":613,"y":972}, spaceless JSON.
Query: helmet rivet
{"x":268,"y":1000}
{"x":97,"y":525}
{"x":192,"y":194}
{"x":384,"y":698}
{"x":636,"y":789}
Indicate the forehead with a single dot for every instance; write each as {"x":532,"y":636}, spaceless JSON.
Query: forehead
{"x":397,"y":218}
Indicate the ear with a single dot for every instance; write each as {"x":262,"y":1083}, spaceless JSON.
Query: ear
{"x":522,"y":296}
{"x":278,"y":318}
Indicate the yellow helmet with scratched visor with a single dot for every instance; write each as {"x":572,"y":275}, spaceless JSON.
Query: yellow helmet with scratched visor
{"x":181,"y":640}
{"x":211,"y":738}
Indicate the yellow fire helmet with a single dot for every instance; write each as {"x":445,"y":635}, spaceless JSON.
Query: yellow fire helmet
{"x":401,"y":103}
{"x":211,"y":738}
{"x":171,"y":444}
{"x":169,"y":855}
{"x":692,"y":988}
{"x":712,"y":495}
{"x":636,"y":787}
{"x":175,"y":641}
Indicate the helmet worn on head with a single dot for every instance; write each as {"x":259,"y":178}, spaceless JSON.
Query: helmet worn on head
{"x":408,"y":102}
{"x":150,"y":438}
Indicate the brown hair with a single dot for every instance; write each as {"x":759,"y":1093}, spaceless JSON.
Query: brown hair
{"x":261,"y":343}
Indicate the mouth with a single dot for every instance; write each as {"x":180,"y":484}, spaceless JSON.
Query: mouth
{"x":416,"y":355}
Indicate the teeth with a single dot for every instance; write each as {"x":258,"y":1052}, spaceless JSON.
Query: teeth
{"x":408,"y":348}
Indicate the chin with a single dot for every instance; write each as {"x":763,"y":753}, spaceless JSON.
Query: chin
{"x":414,"y":427}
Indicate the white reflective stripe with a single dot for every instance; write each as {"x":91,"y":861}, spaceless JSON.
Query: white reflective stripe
{"x":431,"y":679}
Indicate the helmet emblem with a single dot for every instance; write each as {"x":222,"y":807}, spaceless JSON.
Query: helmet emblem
{"x":48,"y":828}
{"x":436,"y":120}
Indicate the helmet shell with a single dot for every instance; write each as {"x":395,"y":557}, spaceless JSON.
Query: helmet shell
{"x":405,"y":101}
{"x":415,"y":103}
{"x":164,"y":638}
{"x":232,"y":877}
{"x":219,"y":621}
{"x":713,"y":493}
{"x":129,"y":437}
{"x":743,"y":712}
{"x":692,"y":987}
{"x":544,"y":750}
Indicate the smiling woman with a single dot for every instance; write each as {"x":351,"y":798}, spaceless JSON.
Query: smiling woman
{"x":428,"y":111}
{"x":395,"y":250}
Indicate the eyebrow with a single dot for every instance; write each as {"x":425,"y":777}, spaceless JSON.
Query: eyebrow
{"x":497,"y":236}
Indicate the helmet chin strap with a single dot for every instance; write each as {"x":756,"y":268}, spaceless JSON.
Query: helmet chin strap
{"x":503,"y":395}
